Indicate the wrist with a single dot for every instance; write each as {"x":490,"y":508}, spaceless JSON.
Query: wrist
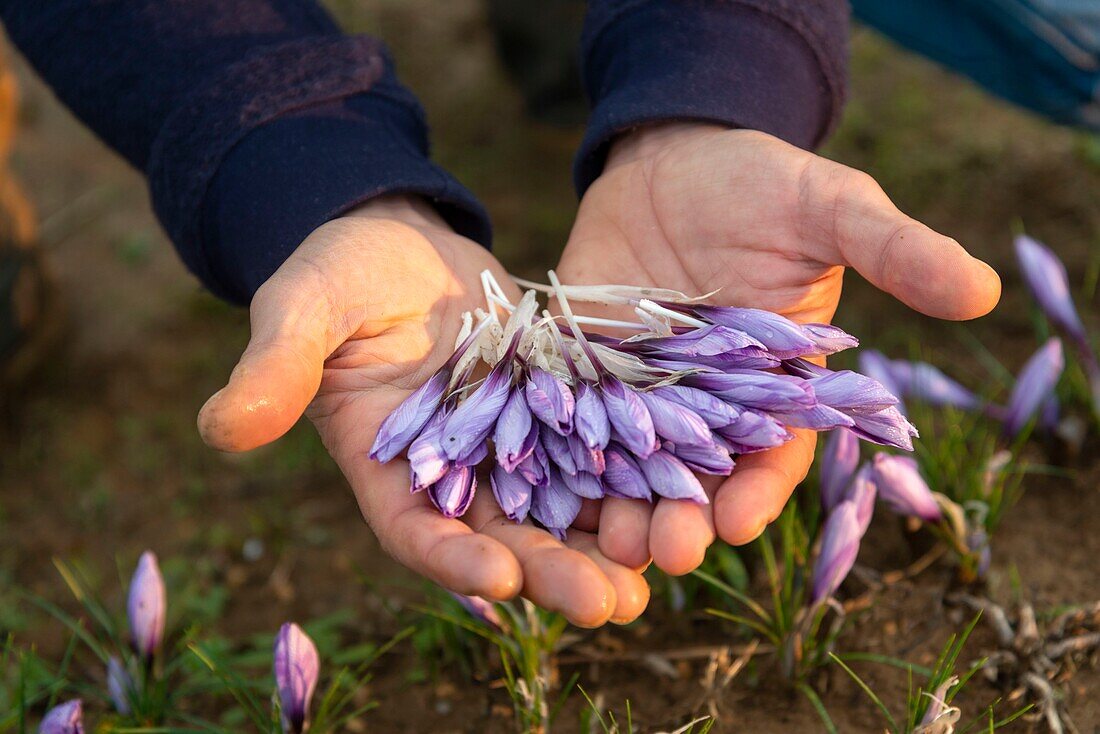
{"x":647,"y":140}
{"x":411,"y":209}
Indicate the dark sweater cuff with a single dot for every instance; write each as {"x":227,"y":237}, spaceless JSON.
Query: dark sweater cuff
{"x":777,"y":67}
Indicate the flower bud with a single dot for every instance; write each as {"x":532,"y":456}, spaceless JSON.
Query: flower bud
{"x":297,"y":668}
{"x":147,"y":606}
{"x":67,"y":718}
{"x":839,"y":546}
{"x":901,"y":486}
{"x":839,"y":460}
{"x":1034,"y":386}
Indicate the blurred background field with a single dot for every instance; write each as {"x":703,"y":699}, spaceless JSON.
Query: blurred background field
{"x":99,"y":458}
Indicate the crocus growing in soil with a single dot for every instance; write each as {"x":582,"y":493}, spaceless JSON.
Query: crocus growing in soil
{"x":147,"y":606}
{"x":862,"y":492}
{"x":480,"y":609}
{"x":120,"y":685}
{"x":297,"y":668}
{"x":839,"y":546}
{"x":838,"y":463}
{"x":940,"y":718}
{"x":901,"y":486}
{"x":1034,"y":386}
{"x":67,"y":718}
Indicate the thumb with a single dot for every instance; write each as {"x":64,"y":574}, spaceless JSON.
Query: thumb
{"x":925,"y":270}
{"x":277,"y":375}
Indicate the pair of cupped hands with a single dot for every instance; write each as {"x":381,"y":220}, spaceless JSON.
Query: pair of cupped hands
{"x":369,"y":306}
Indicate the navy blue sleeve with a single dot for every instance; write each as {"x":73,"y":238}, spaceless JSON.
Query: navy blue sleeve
{"x":772,"y":65}
{"x":255,"y":121}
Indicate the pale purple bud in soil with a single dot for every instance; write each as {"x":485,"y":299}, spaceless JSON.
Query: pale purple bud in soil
{"x":878,"y":367}
{"x":671,"y":478}
{"x":628,"y":416}
{"x":455,"y":491}
{"x":514,"y":435}
{"x":622,"y":477}
{"x":829,"y":339}
{"x":1046,"y":278}
{"x":427,"y":459}
{"x":480,"y":609}
{"x":852,"y":392}
{"x":977,"y":541}
{"x":474,"y":418}
{"x":887,"y":427}
{"x":584,"y":485}
{"x":554,"y":506}
{"x":512,"y":492}
{"x":779,"y":335}
{"x":590,"y":420}
{"x":839,"y":547}
{"x":120,"y":686}
{"x":67,"y":718}
{"x":716,"y":413}
{"x":557,"y":448}
{"x":707,"y":341}
{"x":754,"y":432}
{"x":676,"y":423}
{"x":147,"y":606}
{"x":928,"y":383}
{"x":550,"y":399}
{"x":536,"y":467}
{"x":586,"y":459}
{"x":408,"y":419}
{"x":839,"y":459}
{"x":861,"y":492}
{"x":297,"y":668}
{"x":713,"y":459}
{"x":939,"y":707}
{"x":1035,"y":384}
{"x":761,"y":390}
{"x":819,"y":417}
{"x":901,"y":486}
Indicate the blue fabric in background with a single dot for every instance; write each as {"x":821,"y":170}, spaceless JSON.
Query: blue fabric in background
{"x":1041,"y":54}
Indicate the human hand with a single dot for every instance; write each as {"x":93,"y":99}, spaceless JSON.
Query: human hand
{"x":697,"y":207}
{"x":362,"y":313}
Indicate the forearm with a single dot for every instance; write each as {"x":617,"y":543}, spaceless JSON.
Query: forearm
{"x":255,"y":120}
{"x":772,"y":65}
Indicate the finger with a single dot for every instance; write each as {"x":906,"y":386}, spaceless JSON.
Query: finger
{"x":759,"y":487}
{"x":413,"y":532}
{"x":554,"y":577}
{"x":855,"y":221}
{"x":631,"y":589}
{"x":681,"y":532}
{"x":624,"y":531}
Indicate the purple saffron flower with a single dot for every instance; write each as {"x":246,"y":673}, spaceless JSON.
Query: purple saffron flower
{"x":778,"y":334}
{"x":455,"y":491}
{"x":586,"y":459}
{"x":557,"y":448}
{"x":584,"y":485}
{"x":515,"y":433}
{"x":861,"y":492}
{"x":829,"y":339}
{"x":1035,"y":384}
{"x":901,"y":486}
{"x":887,"y":427}
{"x":753,"y":432}
{"x":671,"y":478}
{"x":590,"y":417}
{"x":839,"y":460}
{"x":427,"y":460}
{"x":676,"y":423}
{"x":512,"y":492}
{"x":818,"y":417}
{"x":67,"y":718}
{"x":480,"y":609}
{"x":706,"y":341}
{"x":760,"y":390}
{"x":940,"y":716}
{"x":622,"y":477}
{"x":877,"y":366}
{"x":146,"y":606}
{"x":536,"y":467}
{"x":852,"y":392}
{"x":839,"y":548}
{"x":1046,"y":278}
{"x":474,"y":418}
{"x":550,"y":399}
{"x":715,"y":412}
{"x":926,"y":382}
{"x":628,"y":416}
{"x":297,"y":668}
{"x":554,"y":505}
{"x":713,"y":459}
{"x":405,"y":423}
{"x":120,"y":686}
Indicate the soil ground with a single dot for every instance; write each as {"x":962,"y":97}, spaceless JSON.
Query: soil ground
{"x":99,"y":458}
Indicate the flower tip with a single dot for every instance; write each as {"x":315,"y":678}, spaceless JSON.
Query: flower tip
{"x":147,"y":606}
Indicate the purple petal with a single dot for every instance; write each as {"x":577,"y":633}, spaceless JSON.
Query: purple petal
{"x":1046,"y":278}
{"x":120,"y":686}
{"x":629,"y":417}
{"x":676,"y":423}
{"x":702,"y":342}
{"x":923,"y":381}
{"x":1036,"y":383}
{"x":715,"y":412}
{"x":887,"y":427}
{"x":554,"y":506}
{"x":536,"y":467}
{"x":512,"y":492}
{"x":819,"y":418}
{"x":586,"y":459}
{"x":480,"y":609}
{"x":455,"y":491}
{"x":557,"y":448}
{"x":297,"y":667}
{"x":669,"y":477}
{"x":839,"y":460}
{"x":878,"y":367}
{"x":584,"y":485}
{"x":779,"y":335}
{"x":590,"y":417}
{"x":760,"y":390}
{"x":712,"y":459}
{"x":473,"y":420}
{"x":861,"y":492}
{"x":622,"y":477}
{"x":829,"y":339}
{"x":852,"y":392}
{"x":901,"y":486}
{"x":68,"y":718}
{"x":427,"y":459}
{"x":755,"y":432}
{"x":513,"y":436}
{"x":406,"y":421}
{"x":839,"y":548}
{"x":550,"y":399}
{"x":147,"y":606}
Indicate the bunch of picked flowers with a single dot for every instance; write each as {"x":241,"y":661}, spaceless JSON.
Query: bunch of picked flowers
{"x":564,"y":415}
